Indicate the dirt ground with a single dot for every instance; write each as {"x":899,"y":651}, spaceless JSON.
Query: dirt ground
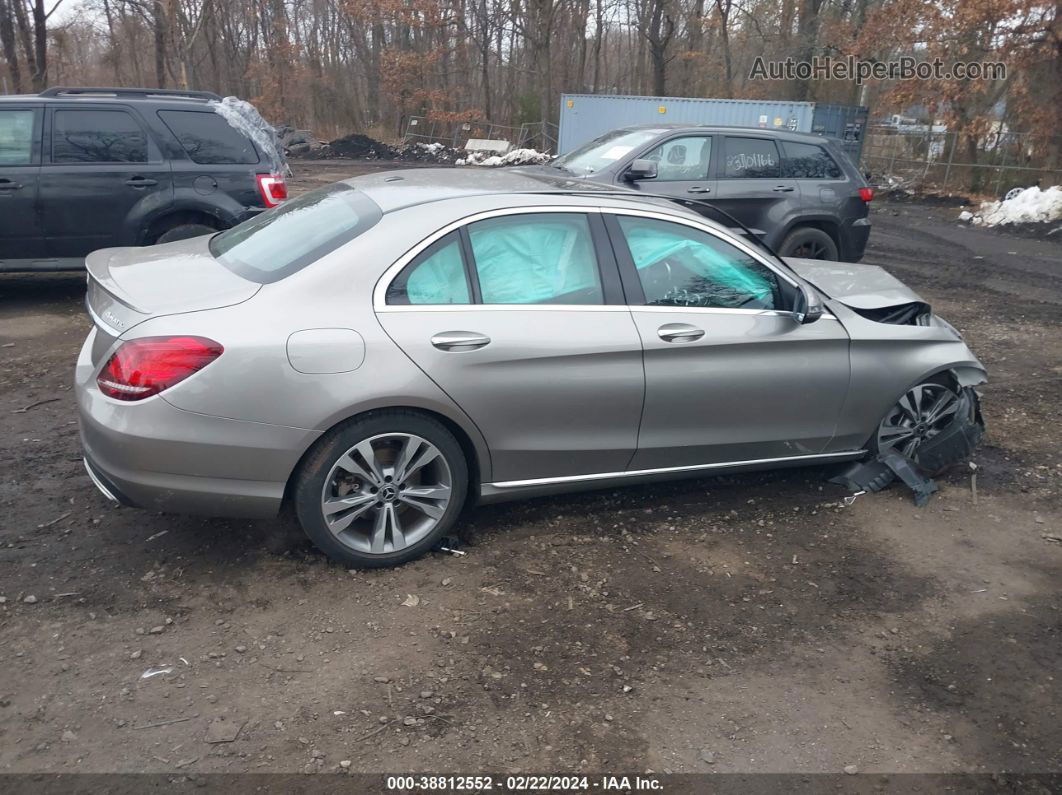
{"x":730,"y":624}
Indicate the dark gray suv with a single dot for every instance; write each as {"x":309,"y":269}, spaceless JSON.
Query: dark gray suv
{"x":800,"y":194}
{"x":89,"y":168}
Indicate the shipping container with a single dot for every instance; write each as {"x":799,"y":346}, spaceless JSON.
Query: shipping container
{"x":584,"y":117}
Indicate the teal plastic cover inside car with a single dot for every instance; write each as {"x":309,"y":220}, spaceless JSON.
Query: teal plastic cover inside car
{"x":440,"y":277}
{"x":680,"y":265}
{"x":536,"y":258}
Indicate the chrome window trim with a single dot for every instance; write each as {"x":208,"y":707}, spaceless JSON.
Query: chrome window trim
{"x":387,"y":309}
{"x":516,"y":484}
{"x":379,"y":293}
{"x":720,"y":310}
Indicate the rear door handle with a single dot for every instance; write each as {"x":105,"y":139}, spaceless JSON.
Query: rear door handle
{"x":459,"y":340}
{"x":679,"y":332}
{"x":141,"y":182}
{"x":783,"y":189}
{"x":699,"y":189}
{"x":9,"y":185}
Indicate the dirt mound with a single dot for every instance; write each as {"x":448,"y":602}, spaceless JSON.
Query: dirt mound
{"x":358,"y":147}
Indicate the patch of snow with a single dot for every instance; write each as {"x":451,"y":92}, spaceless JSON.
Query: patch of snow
{"x":517,"y":157}
{"x":1031,"y":205}
{"x":244,"y":117}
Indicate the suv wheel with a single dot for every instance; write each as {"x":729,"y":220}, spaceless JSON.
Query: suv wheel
{"x":809,"y":243}
{"x":185,"y":231}
{"x":381,"y":490}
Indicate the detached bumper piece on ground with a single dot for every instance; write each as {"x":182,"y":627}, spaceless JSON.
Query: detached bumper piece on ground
{"x":952,"y":444}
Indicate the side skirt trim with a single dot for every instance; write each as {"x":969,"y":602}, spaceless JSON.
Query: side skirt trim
{"x":518,"y":484}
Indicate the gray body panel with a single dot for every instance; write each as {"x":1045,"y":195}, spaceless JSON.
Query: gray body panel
{"x":563,"y":397}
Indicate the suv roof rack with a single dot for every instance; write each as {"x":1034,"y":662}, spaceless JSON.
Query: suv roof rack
{"x":59,"y":91}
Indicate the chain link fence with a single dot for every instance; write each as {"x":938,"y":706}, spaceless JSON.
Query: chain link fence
{"x":533,"y":135}
{"x":935,"y":160}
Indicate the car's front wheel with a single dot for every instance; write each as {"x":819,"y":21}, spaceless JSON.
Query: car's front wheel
{"x":382,"y":489}
{"x":921,"y":413}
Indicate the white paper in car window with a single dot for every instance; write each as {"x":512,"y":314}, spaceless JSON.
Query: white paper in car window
{"x":616,"y":152}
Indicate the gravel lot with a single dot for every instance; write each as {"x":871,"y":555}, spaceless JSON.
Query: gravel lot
{"x":729,"y":624}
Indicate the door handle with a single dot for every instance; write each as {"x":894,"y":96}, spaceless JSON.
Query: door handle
{"x":699,"y":189}
{"x":8,"y":185}
{"x":459,"y":340}
{"x":783,"y":189}
{"x":679,"y":332}
{"x":141,"y":182}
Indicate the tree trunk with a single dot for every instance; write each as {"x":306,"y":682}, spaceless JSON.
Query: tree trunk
{"x":158,"y":13}
{"x":7,"y":41}
{"x":40,"y":46}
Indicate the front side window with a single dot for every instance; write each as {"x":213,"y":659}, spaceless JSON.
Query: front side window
{"x":750,"y":158}
{"x":538,"y":258}
{"x":286,"y":239}
{"x":682,"y":266}
{"x":436,"y":276}
{"x":97,"y":136}
{"x":682,"y":159}
{"x":208,"y":138}
{"x":16,"y":137}
{"x":809,"y":161}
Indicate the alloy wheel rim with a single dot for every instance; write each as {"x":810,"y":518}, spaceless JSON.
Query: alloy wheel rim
{"x":386,"y":493}
{"x":918,"y":416}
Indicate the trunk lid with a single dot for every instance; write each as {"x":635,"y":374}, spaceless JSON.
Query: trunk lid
{"x":127,"y":286}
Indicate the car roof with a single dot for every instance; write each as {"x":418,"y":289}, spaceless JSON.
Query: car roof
{"x":156,"y":97}
{"x":526,"y":187}
{"x":671,"y":127}
{"x":395,"y":190}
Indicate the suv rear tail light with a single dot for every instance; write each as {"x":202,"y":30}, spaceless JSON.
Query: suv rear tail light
{"x":866,"y":194}
{"x":144,"y":367}
{"x":273,"y":188}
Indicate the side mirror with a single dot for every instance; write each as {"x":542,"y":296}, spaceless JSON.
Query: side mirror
{"x":640,"y":169}
{"x":808,"y":306}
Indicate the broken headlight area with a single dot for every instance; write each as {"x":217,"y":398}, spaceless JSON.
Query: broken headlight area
{"x":915,"y":313}
{"x":954,"y":443}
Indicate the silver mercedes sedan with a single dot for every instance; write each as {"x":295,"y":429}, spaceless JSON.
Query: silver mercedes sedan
{"x":384,"y":351}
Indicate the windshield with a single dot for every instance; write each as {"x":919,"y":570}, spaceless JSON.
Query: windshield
{"x":604,"y":151}
{"x":281,"y":241}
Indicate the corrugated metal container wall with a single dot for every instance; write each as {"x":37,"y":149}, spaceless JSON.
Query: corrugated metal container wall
{"x":583,"y":117}
{"x":848,"y":123}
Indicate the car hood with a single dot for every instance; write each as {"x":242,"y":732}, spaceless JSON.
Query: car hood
{"x":858,"y":286}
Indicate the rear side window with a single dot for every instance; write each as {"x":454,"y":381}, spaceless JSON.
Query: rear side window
{"x":208,"y":138}
{"x":538,"y":258}
{"x":97,"y":136}
{"x":284,"y":240}
{"x":808,"y":161}
{"x":750,"y":158}
{"x":16,"y":137}
{"x":436,"y":276}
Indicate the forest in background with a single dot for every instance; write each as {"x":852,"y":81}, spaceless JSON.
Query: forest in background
{"x":335,"y":66}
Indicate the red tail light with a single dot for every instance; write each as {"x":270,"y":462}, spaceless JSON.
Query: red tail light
{"x":144,"y":367}
{"x":866,"y":194}
{"x":273,"y":189}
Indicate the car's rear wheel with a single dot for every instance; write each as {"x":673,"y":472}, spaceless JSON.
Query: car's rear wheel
{"x":809,"y":243}
{"x":921,"y":413}
{"x":381,"y":490}
{"x":185,"y":231}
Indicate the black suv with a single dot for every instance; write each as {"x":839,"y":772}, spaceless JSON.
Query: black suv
{"x":799,"y":193}
{"x":88,"y":168}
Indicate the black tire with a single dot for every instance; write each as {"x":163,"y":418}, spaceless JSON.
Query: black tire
{"x":310,"y":480}
{"x":809,"y":243}
{"x":185,"y":231}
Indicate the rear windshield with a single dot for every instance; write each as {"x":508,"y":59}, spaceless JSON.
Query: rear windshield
{"x":286,"y":239}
